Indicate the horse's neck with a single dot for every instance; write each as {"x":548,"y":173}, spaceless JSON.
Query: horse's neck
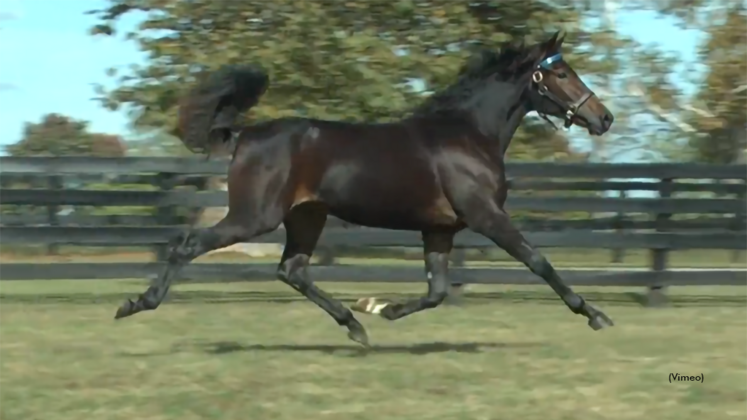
{"x":499,"y":111}
{"x":508,"y":129}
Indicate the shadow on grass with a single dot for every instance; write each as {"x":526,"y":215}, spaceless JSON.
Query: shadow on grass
{"x":468,"y":299}
{"x":415,"y":349}
{"x":350,"y":350}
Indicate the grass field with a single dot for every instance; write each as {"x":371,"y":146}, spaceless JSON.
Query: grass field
{"x":257,"y":352}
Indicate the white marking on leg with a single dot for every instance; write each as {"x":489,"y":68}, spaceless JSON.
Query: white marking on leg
{"x":429,"y":275}
{"x":369,"y":305}
{"x":312,"y":132}
{"x":377,"y":308}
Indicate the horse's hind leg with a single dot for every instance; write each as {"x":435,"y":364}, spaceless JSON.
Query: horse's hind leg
{"x":303,"y":226}
{"x":436,"y":249}
{"x":494,"y":223}
{"x":186,"y":247}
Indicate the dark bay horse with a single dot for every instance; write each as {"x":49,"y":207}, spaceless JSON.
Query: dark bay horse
{"x":438,"y":171}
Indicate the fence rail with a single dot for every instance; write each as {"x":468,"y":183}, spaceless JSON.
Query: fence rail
{"x":130,"y":236}
{"x":711,"y":215}
{"x":36,"y":197}
{"x":533,"y":225}
{"x":181,"y":166}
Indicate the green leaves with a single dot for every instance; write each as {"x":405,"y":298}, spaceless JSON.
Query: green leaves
{"x":715,"y":116}
{"x":59,"y":135}
{"x":327,"y":59}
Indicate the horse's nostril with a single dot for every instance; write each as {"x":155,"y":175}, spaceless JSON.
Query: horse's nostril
{"x":608,"y":119}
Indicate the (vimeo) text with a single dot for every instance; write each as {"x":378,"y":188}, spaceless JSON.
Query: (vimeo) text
{"x":676,"y":377}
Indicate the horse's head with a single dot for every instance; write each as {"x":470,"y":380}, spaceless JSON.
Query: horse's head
{"x":555,"y":89}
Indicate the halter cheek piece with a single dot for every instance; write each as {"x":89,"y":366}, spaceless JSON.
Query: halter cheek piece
{"x":570,"y":108}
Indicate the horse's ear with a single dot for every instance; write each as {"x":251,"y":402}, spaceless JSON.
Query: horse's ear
{"x":536,"y":54}
{"x":554,"y":44}
{"x":542,"y":50}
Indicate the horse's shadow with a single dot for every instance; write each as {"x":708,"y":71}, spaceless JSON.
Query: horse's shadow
{"x":414,"y":349}
{"x":350,"y":350}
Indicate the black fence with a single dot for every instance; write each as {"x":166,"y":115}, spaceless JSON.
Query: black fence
{"x":686,"y":206}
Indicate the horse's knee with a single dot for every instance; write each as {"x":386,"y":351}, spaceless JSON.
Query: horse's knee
{"x":538,"y":264}
{"x":283,"y":273}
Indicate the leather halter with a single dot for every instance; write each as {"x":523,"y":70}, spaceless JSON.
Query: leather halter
{"x":570,"y":108}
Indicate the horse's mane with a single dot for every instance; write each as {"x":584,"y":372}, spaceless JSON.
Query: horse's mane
{"x":479,"y":66}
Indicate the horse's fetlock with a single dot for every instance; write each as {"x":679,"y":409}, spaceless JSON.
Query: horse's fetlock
{"x":575,"y":303}
{"x":435,"y":299}
{"x":148,"y":302}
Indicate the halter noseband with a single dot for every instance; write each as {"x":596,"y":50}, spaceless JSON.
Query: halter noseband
{"x":570,"y":109}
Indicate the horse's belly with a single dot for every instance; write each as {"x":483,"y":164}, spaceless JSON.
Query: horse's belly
{"x":397,"y":194}
{"x":380,"y":218}
{"x":398,"y":207}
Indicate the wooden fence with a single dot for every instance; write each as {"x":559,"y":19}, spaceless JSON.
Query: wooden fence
{"x":684,"y":206}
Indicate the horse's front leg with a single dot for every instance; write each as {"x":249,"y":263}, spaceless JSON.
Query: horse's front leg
{"x":486,"y":217}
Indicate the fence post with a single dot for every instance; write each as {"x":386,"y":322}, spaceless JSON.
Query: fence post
{"x":657,"y":290}
{"x":54,"y":182}
{"x":193,"y":213}
{"x":165,"y":215}
{"x":458,"y":258}
{"x":325,"y":255}
{"x":739,"y":219}
{"x":618,"y":254}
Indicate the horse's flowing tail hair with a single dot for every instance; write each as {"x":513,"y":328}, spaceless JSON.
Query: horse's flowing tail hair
{"x":208,"y":112}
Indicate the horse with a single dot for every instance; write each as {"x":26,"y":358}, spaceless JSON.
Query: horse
{"x":209,"y":215}
{"x":438,"y":170}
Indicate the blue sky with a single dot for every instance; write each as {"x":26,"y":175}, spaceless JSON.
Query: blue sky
{"x":50,"y":63}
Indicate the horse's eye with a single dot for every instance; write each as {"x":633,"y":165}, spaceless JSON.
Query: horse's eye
{"x":562,"y":75}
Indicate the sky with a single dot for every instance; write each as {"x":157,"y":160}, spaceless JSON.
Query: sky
{"x":50,"y":63}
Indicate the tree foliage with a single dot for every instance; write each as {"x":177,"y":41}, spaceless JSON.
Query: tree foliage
{"x":59,"y":135}
{"x":723,"y":91}
{"x":347,"y":60}
{"x":716,"y":112}
{"x":155,"y":143}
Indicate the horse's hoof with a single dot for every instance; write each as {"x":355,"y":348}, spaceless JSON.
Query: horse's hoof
{"x":125,"y":310}
{"x":357,"y":333}
{"x":598,"y":320}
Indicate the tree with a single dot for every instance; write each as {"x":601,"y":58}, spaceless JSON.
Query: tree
{"x":156,"y":143}
{"x":713,"y":119}
{"x":722,"y":97}
{"x":340,"y":60}
{"x":59,"y":135}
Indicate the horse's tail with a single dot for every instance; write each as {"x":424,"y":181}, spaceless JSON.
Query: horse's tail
{"x":208,"y":112}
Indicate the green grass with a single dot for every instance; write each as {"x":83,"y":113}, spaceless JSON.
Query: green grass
{"x":256,"y":351}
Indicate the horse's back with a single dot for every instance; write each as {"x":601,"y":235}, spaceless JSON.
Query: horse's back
{"x":383,"y":175}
